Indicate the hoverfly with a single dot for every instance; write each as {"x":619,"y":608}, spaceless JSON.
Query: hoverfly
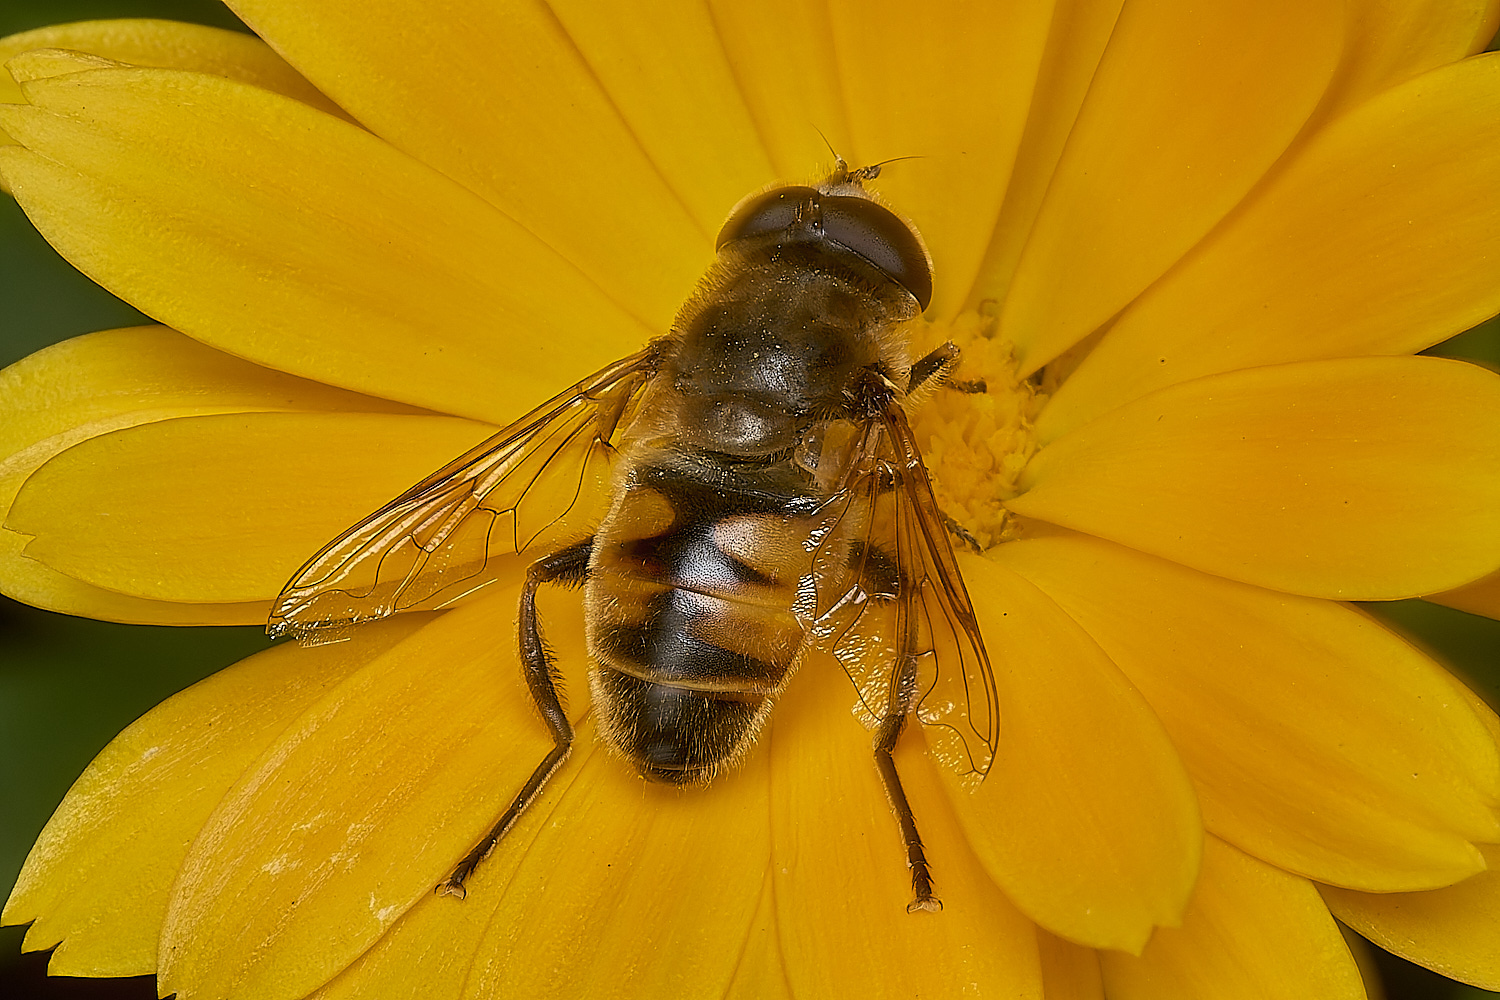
{"x":743,"y":491}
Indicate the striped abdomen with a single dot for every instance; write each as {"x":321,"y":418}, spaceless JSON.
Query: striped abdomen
{"x":689,"y":610}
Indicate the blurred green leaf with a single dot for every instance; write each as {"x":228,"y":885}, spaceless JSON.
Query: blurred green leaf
{"x":1467,"y":644}
{"x":23,"y":15}
{"x":1481,"y":344}
{"x":45,"y":299}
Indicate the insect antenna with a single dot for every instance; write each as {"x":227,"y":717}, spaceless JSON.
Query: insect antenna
{"x":872,"y":171}
{"x":843,"y":175}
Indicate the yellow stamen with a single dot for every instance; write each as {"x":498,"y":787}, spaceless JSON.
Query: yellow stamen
{"x":976,"y":442}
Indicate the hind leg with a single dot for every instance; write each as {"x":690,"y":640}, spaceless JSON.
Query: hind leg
{"x":886,"y":735}
{"x":569,"y":568}
{"x":883,"y":581}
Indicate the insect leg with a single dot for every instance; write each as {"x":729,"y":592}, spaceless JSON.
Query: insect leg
{"x":888,"y":732}
{"x":569,"y":568}
{"x":916,"y":858}
{"x":933,"y":369}
{"x":962,"y":534}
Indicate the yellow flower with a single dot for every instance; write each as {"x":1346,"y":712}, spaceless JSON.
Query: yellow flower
{"x":1187,"y":249}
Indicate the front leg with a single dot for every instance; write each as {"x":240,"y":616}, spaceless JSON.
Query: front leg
{"x":934,"y":369}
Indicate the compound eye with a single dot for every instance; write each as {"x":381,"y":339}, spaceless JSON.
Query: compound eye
{"x":879,"y":236}
{"x":772,"y":211}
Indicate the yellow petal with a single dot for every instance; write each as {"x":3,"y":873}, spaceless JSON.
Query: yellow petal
{"x":598,"y":843}
{"x":950,"y":84}
{"x":1147,"y":172}
{"x":166,"y":45}
{"x":1076,"y":40}
{"x":1358,"y":479}
{"x":1479,"y":598}
{"x":1086,"y":818}
{"x":1452,"y":931}
{"x":500,"y":99}
{"x":222,"y":508}
{"x":100,"y":875}
{"x":301,"y":241}
{"x":686,"y":866}
{"x":841,"y":881}
{"x":780,"y":53}
{"x":761,"y":974}
{"x":39,"y":64}
{"x":30,"y":582}
{"x":1070,"y":972}
{"x":1318,"y":741}
{"x":432,"y":949}
{"x":1252,"y":933}
{"x":1392,"y":42}
{"x":673,"y":87}
{"x":1380,"y":236}
{"x":355,"y":813}
{"x":106,"y":381}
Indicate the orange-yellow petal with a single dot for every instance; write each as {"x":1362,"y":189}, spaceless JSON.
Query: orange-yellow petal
{"x":660,"y":905}
{"x":295,"y":239}
{"x":1147,"y":172}
{"x":1392,"y":42}
{"x":1076,"y":41}
{"x":356,"y":811}
{"x":107,"y":381}
{"x":651,"y":849}
{"x":1380,"y":236}
{"x":1069,"y":971}
{"x":685,"y":111}
{"x":1086,"y":819}
{"x":432,"y":948}
{"x":99,"y":878}
{"x":761,"y":974}
{"x":1452,"y":930}
{"x":948,"y":83}
{"x":1318,"y":741}
{"x":222,"y":508}
{"x":165,"y":45}
{"x":501,"y":99}
{"x":780,"y":52}
{"x":841,"y":882}
{"x":31,"y":582}
{"x":1358,"y":479}
{"x":1252,"y":932}
{"x":1481,"y":597}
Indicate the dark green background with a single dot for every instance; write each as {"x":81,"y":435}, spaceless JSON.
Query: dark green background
{"x":67,"y":685}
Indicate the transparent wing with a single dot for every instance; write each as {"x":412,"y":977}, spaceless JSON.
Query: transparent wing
{"x":542,"y":481}
{"x":886,"y":598}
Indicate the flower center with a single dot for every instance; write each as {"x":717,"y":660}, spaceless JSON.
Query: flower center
{"x":976,"y":432}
